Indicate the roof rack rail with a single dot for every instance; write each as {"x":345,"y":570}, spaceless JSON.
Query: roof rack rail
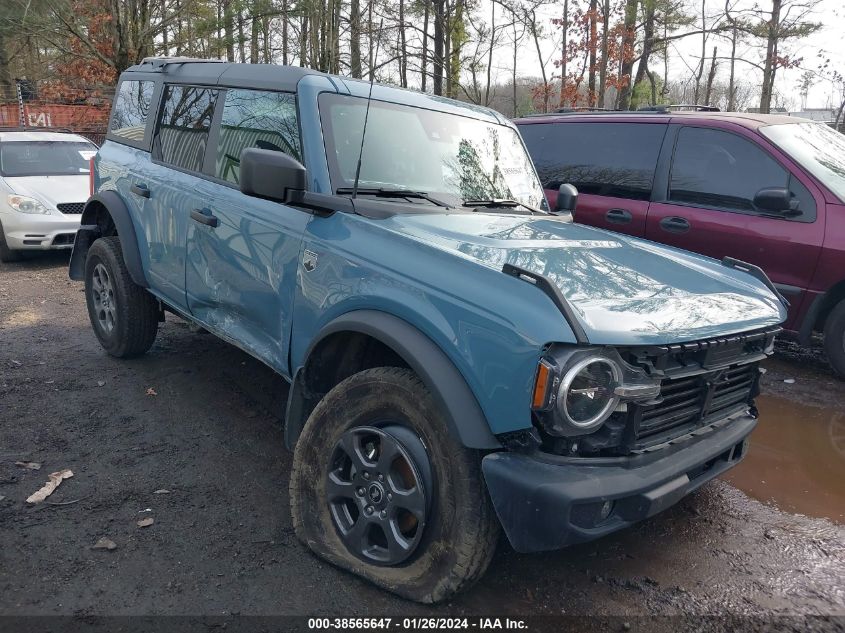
{"x":160,"y":62}
{"x":678,"y":107}
{"x":567,"y":110}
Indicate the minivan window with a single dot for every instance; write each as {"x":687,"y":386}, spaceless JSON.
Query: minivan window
{"x":816,"y":147}
{"x":131,"y":110}
{"x":252,"y":118}
{"x":720,"y":170}
{"x":605,"y":159}
{"x":182,"y":133}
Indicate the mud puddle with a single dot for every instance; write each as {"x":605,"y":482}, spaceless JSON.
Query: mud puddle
{"x":796,"y":459}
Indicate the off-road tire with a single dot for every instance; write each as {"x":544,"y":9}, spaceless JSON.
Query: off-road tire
{"x":7,"y":255}
{"x":136,"y":310}
{"x":834,"y":338}
{"x":461,"y":531}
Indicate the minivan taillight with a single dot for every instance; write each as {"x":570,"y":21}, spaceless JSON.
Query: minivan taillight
{"x":91,"y":176}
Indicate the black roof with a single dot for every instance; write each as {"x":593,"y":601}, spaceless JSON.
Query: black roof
{"x":215,"y":72}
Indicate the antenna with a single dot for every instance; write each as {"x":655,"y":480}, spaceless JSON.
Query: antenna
{"x":367,"y":113}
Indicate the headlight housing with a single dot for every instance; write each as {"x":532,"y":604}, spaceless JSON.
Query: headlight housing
{"x":577,"y":390}
{"x":25,"y":204}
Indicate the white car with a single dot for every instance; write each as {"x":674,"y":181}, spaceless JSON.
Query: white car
{"x":44,"y":183}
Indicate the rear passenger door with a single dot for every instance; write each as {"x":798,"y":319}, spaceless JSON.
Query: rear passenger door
{"x":706,"y":205}
{"x":172,"y":185}
{"x":611,"y":163}
{"x":243,"y":252}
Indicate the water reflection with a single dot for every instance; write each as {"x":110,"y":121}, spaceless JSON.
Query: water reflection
{"x":796,"y":459}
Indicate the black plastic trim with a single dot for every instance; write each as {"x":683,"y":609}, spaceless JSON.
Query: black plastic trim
{"x":757,"y":272}
{"x":451,"y":392}
{"x":554,"y":293}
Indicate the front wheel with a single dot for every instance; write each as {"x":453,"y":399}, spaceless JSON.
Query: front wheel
{"x":834,"y":338}
{"x":380,"y":487}
{"x":123,"y":314}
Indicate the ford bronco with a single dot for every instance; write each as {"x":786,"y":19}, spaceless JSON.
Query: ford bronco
{"x":462,"y":358}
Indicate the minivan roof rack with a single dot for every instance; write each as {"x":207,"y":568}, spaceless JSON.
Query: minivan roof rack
{"x":159,"y":62}
{"x":678,"y":107}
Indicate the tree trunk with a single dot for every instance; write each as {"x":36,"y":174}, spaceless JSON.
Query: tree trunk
{"x":591,"y":47}
{"x":515,"y":51}
{"x":564,"y":53}
{"x":648,"y":42}
{"x":710,"y":77}
{"x":731,"y":81}
{"x":626,"y":66}
{"x":771,"y":57}
{"x":254,"y":30}
{"x":424,"y":59}
{"x":403,"y":47}
{"x":229,"y":29}
{"x":439,"y":42}
{"x":700,"y":72}
{"x":605,"y":17}
{"x":457,"y":35}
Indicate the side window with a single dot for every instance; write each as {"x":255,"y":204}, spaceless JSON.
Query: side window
{"x":131,"y":110}
{"x":720,"y":170}
{"x":182,"y":133}
{"x":605,"y":159}
{"x":252,"y":118}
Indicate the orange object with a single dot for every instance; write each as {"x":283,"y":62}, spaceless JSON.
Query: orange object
{"x":541,"y":386}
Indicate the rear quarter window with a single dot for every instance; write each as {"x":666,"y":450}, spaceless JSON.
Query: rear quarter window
{"x":131,"y":110}
{"x":605,"y":159}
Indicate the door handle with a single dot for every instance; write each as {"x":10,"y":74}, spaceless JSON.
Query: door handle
{"x":619,"y":216}
{"x":140,"y":189}
{"x":675,"y":224}
{"x":204,"y":216}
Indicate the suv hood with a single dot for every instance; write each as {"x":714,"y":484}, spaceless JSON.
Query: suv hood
{"x":51,"y":190}
{"x":625,"y":291}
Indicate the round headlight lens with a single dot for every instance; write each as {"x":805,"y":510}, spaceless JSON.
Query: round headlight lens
{"x":586,"y":392}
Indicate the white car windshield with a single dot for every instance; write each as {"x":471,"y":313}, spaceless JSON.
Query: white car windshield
{"x":45,"y":158}
{"x":816,"y":147}
{"x":454,"y":157}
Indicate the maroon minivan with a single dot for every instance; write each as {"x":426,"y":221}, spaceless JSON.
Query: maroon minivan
{"x":764,"y":189}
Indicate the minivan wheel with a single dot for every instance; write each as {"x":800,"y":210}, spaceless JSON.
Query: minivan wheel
{"x":834,"y":338}
{"x":7,"y":255}
{"x":381,"y":488}
{"x":124,"y":315}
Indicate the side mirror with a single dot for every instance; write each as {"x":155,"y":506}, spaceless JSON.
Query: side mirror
{"x":269,"y":174}
{"x":776,"y":200}
{"x":567,"y":199}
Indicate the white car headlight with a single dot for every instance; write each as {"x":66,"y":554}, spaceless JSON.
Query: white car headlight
{"x":25,"y":204}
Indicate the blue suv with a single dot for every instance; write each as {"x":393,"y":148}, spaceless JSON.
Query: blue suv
{"x":462,"y":359}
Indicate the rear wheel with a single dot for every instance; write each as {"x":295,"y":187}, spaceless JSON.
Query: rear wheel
{"x":7,"y":255}
{"x":123,"y":314}
{"x":381,"y":488}
{"x":834,"y":338}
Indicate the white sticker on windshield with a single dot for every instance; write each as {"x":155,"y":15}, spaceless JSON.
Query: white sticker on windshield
{"x":87,"y":154}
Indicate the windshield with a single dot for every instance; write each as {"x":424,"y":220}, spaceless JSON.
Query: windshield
{"x":45,"y":158}
{"x":438,"y":153}
{"x":816,"y":147}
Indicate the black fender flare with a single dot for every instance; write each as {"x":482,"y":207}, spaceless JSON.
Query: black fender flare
{"x":450,"y":391}
{"x":90,"y":231}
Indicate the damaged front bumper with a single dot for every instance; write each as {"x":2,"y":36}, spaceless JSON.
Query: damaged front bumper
{"x":546,"y":502}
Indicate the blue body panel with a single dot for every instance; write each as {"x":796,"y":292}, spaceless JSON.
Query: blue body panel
{"x":441,"y":273}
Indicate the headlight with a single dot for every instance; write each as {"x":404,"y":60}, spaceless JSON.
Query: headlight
{"x":25,"y":204}
{"x":587,"y":392}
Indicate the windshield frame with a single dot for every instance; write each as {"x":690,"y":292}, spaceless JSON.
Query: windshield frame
{"x":812,"y":168}
{"x":65,"y":172}
{"x":337,"y":181}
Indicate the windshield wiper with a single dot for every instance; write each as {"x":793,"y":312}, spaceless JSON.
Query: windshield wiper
{"x":388,"y":192}
{"x":494,"y":203}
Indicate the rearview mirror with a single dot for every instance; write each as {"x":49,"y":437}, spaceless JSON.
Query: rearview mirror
{"x":776,"y":200}
{"x":567,"y":199}
{"x":270,"y":174}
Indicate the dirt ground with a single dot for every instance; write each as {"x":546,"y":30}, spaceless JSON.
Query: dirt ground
{"x":198,"y":418}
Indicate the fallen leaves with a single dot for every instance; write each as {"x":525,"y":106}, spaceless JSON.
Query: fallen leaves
{"x":151,"y":391}
{"x":45,"y":491}
{"x":146,"y":522}
{"x":29,"y":465}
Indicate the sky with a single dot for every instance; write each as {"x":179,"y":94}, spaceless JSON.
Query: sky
{"x":829,"y":40}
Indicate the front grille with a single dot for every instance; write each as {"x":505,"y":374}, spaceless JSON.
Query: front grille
{"x":687,"y":403}
{"x":71,"y":207}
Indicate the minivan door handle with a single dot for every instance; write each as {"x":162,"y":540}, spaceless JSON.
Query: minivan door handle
{"x":204,"y":216}
{"x":619,"y":216}
{"x":140,"y":189}
{"x":674,"y":224}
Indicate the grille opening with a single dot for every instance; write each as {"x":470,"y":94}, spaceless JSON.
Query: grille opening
{"x":71,"y":207}
{"x":64,"y":239}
